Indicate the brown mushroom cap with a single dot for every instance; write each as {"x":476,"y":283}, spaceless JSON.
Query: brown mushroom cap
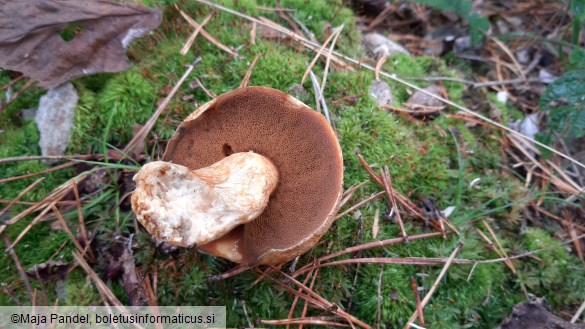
{"x":299,"y":142}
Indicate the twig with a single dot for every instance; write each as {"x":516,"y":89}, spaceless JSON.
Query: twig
{"x":18,"y":265}
{"x":419,"y":309}
{"x":379,"y":65}
{"x":428,"y":296}
{"x":499,"y":245}
{"x":141,"y":135}
{"x":253,"y":34}
{"x":191,"y":39}
{"x":246,"y":79}
{"x":315,"y":272}
{"x":512,"y":57}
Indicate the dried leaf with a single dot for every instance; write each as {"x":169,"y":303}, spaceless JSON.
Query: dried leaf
{"x":48,"y":271}
{"x":33,"y":37}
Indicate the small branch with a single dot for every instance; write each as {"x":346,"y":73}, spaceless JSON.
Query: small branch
{"x":21,"y":194}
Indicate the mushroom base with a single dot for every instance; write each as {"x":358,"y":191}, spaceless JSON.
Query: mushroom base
{"x":187,"y":208}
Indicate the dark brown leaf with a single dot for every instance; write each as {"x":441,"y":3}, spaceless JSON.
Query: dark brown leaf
{"x":53,"y":41}
{"x":51,"y":270}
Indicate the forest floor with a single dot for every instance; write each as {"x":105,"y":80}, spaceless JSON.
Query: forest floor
{"x":492,"y":221}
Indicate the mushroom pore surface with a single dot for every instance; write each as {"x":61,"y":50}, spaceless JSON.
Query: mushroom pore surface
{"x":297,"y":140}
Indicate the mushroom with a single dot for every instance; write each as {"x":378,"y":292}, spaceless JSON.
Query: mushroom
{"x":253,"y":176}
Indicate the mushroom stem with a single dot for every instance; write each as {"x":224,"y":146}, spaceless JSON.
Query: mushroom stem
{"x":187,"y":208}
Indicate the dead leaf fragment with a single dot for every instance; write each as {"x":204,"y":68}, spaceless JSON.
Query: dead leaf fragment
{"x":48,"y":271}
{"x":33,"y":33}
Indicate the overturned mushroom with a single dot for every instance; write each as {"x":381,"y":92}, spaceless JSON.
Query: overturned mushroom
{"x":253,"y":176}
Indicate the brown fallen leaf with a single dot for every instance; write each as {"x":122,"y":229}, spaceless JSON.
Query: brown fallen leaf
{"x":98,"y":33}
{"x":48,"y":271}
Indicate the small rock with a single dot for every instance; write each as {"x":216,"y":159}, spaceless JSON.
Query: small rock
{"x":379,"y":45}
{"x":523,"y":56}
{"x":382,"y":93}
{"x":300,"y":93}
{"x":461,"y":44}
{"x":502,"y":96}
{"x":419,"y":101}
{"x":546,"y":77}
{"x":28,"y":114}
{"x":55,"y":118}
{"x":535,"y":315}
{"x":528,"y":127}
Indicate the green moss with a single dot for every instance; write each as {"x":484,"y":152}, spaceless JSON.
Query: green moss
{"x":425,"y":160}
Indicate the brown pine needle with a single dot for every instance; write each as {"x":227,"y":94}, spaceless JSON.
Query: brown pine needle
{"x":346,"y":59}
{"x":82,"y":227}
{"x":46,"y":157}
{"x":360,"y":204}
{"x":21,"y":194}
{"x":42,"y":172}
{"x":315,"y":320}
{"x":191,"y":39}
{"x":246,"y":79}
{"x":379,"y":309}
{"x":419,"y":311}
{"x":387,"y":179}
{"x":205,"y":90}
{"x":18,"y":93}
{"x":67,"y":230}
{"x":12,"y":82}
{"x":366,"y":246}
{"x":379,"y":65}
{"x":141,"y":135}
{"x":253,"y":34}
{"x":18,"y":265}
{"x":336,"y":32}
{"x":376,"y":225}
{"x":306,"y":304}
{"x":428,"y":296}
{"x":296,"y":299}
{"x":321,"y":49}
{"x":329,"y":305}
{"x":510,"y":264}
{"x":102,"y":288}
{"x":402,"y":199}
{"x":207,"y":36}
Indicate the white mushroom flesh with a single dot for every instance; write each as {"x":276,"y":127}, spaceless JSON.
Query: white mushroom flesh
{"x":187,"y":208}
